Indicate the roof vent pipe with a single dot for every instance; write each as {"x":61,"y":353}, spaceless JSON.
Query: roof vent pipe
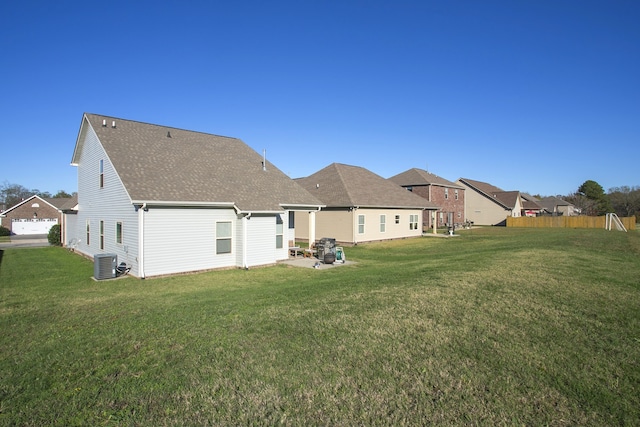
{"x":264,"y":160}
{"x":113,"y":124}
{"x":104,"y":123}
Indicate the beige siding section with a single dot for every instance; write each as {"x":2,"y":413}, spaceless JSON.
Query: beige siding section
{"x":342,"y":224}
{"x":482,"y":211}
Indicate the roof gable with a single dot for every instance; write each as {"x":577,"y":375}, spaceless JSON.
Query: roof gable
{"x":169,"y":165}
{"x":29,"y":199}
{"x":507,"y":199}
{"x":416,"y":177}
{"x":340,"y":185}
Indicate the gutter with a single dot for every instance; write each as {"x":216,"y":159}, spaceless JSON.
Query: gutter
{"x":183,"y":203}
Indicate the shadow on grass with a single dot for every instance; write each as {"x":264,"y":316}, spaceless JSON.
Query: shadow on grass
{"x":1,"y":252}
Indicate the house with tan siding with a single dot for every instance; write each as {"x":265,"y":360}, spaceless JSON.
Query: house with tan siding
{"x":487,"y":204}
{"x":167,"y":200}
{"x":361,"y":206}
{"x":445,"y":194}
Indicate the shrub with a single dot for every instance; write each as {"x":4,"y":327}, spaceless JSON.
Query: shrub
{"x":54,"y":235}
{"x":4,"y":231}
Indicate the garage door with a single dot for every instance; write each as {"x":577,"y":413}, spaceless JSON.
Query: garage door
{"x":32,"y":226}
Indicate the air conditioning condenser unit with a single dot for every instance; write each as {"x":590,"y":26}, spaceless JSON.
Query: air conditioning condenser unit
{"x":104,"y":266}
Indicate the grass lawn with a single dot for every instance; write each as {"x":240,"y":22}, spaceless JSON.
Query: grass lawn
{"x":494,"y":327}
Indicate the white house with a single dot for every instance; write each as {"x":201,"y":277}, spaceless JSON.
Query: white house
{"x":168,"y":200}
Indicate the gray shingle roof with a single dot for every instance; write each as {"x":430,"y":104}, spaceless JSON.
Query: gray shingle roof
{"x":415,"y":177}
{"x":339,"y":185}
{"x":505,"y":198}
{"x":63,"y":203}
{"x":165,"y":164}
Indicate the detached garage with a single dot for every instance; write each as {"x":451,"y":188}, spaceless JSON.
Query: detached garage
{"x":34,"y":215}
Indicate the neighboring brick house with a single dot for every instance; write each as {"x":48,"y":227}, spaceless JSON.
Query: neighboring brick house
{"x":34,"y":215}
{"x":446,"y":194}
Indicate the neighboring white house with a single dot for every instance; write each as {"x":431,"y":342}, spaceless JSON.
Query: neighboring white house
{"x":168,"y":200}
{"x":486,"y":204}
{"x":361,"y":206}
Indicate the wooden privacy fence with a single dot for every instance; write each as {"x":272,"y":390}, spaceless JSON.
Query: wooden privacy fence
{"x":567,"y":222}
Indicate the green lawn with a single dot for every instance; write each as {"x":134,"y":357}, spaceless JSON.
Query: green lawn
{"x":494,"y":327}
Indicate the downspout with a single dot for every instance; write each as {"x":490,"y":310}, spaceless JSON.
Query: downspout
{"x":141,"y":210}
{"x":354,"y":224}
{"x":245,"y":239}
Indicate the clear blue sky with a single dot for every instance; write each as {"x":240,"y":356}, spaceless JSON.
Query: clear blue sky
{"x":530,"y":95}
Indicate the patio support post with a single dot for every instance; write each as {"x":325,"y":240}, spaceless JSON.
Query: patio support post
{"x":312,"y":227}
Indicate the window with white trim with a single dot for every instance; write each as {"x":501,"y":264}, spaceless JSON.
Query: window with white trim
{"x":101,"y":173}
{"x":101,"y":235}
{"x":446,"y":193}
{"x":360,"y":224}
{"x":119,"y":232}
{"x":455,"y":194}
{"x":223,"y":237}
{"x":279,"y":232}
{"x":383,"y":223}
{"x":413,"y":222}
{"x":292,"y":220}
{"x":397,"y":219}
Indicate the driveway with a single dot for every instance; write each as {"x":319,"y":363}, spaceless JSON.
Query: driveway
{"x":26,"y":241}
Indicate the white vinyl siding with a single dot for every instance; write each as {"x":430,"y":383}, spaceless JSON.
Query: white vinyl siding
{"x":261,"y":231}
{"x":190,"y":243}
{"x":110,"y":204}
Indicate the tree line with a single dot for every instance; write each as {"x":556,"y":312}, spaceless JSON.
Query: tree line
{"x":593,"y":201}
{"x":12,"y":194}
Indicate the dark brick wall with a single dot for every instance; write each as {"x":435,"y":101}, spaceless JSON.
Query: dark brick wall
{"x":26,"y":211}
{"x":446,"y":204}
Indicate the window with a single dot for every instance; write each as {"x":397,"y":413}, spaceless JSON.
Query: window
{"x":88,"y":229}
{"x":292,"y":220}
{"x":119,"y":233}
{"x":413,"y":222}
{"x":360,"y":224}
{"x":446,"y":193}
{"x":409,"y":188}
{"x":101,"y":173}
{"x":397,"y":219}
{"x":101,"y":235}
{"x":383,"y":223}
{"x":279,"y":231}
{"x":223,"y":237}
{"x":455,"y":194}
